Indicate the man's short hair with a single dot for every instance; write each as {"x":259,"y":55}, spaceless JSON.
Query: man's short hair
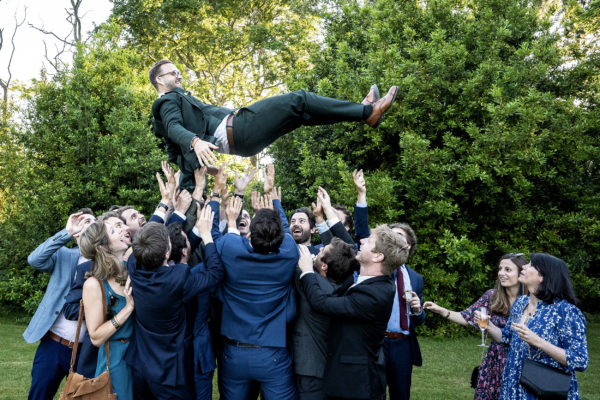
{"x":178,"y":242}
{"x":393,"y":247}
{"x":309,"y":214}
{"x":349,"y":222}
{"x":119,"y":211}
{"x":150,"y":246}
{"x":340,"y":258}
{"x":86,"y":210}
{"x":110,"y":214}
{"x":411,"y":237}
{"x":266,"y":231}
{"x":153,"y":73}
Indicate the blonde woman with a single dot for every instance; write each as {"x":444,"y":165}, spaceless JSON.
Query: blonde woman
{"x":105,"y":243}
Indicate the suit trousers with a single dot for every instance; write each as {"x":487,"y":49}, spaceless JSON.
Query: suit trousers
{"x":260,"y":124}
{"x":398,"y":360}
{"x":50,"y":367}
{"x":270,"y":366}
{"x":310,"y":388}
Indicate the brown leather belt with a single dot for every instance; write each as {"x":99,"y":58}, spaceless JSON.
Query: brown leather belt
{"x":60,"y":340}
{"x":395,"y":335}
{"x":229,"y":127}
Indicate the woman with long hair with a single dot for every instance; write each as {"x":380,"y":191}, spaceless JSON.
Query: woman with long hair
{"x":546,"y":326}
{"x":105,"y":243}
{"x":497,"y":301}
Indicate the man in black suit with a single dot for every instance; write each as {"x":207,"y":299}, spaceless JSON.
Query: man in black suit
{"x":355,"y":366}
{"x":334,"y":263}
{"x":193,"y":129}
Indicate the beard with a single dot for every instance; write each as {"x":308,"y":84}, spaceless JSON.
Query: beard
{"x":305,"y":236}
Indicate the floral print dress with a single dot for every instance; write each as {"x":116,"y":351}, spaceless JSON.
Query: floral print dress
{"x":561,"y":324}
{"x":492,"y":366}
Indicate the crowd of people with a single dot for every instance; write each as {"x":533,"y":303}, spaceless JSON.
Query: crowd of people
{"x":276,"y":310}
{"x":204,"y":284}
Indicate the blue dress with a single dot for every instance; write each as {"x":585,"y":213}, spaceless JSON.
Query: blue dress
{"x":120,"y":373}
{"x":561,"y":324}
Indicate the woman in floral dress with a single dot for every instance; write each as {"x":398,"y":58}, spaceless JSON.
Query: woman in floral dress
{"x":498,"y":302}
{"x":545,"y":326}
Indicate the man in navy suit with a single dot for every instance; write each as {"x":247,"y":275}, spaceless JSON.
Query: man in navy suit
{"x":360,"y":311}
{"x":156,"y":352}
{"x":400,"y":346}
{"x":256,"y":296}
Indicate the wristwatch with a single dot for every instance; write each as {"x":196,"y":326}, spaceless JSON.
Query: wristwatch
{"x":161,"y":204}
{"x":215,"y":194}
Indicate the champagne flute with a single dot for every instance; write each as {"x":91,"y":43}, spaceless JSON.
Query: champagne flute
{"x":408,"y":295}
{"x":484,"y":318}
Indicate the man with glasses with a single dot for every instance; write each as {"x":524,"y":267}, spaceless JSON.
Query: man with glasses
{"x":192,"y":129}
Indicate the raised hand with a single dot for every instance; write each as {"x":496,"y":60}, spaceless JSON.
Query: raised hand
{"x":165,"y":190}
{"x":74,"y":224}
{"x":318,"y":211}
{"x":234,"y":206}
{"x":359,"y":182}
{"x":305,"y":262}
{"x":204,"y":222}
{"x":203,"y":150}
{"x":269,"y":183}
{"x":242,"y":182}
{"x":183,"y":200}
{"x":170,"y":174}
{"x":200,"y":178}
{"x":220,"y":179}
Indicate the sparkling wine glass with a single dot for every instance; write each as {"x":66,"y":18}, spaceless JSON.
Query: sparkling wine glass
{"x":408,"y":295}
{"x":484,"y":318}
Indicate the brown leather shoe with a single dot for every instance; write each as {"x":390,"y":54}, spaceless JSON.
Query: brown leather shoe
{"x":372,"y":97}
{"x":381,"y":106}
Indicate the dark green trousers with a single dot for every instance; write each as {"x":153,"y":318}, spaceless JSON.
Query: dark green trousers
{"x":257,"y":126}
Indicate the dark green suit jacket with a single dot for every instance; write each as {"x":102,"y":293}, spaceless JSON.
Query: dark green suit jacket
{"x":178,"y":118}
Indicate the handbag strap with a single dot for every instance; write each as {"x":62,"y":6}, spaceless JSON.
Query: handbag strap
{"x":76,"y":341}
{"x":104,"y":313}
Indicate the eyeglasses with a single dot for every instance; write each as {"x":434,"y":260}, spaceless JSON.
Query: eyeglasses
{"x":175,"y":74}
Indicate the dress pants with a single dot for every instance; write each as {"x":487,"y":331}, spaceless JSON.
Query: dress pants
{"x":50,"y":366}
{"x":398,"y":367}
{"x":144,"y":389}
{"x":270,"y":366}
{"x":310,"y":388}
{"x":260,"y":124}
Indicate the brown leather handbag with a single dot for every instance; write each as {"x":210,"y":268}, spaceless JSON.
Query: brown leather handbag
{"x":78,"y":387}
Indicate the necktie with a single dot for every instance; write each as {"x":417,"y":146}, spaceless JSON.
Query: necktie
{"x":401,"y":300}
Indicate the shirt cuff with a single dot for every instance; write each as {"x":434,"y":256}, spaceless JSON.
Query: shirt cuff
{"x":181,"y":215}
{"x":307,"y":272}
{"x":322,"y":227}
{"x":222,"y":226}
{"x":333,"y":221}
{"x":196,"y":231}
{"x":234,"y":231}
{"x":160,"y":214}
{"x":362,"y":205}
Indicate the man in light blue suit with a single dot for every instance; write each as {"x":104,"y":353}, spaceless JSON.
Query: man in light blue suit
{"x":55,"y":332}
{"x":257,"y":304}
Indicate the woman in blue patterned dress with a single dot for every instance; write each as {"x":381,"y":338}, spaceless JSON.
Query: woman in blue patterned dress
{"x":106,"y":244}
{"x":545,"y":326}
{"x":498,"y":302}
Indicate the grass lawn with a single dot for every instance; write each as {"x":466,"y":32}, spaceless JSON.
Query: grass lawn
{"x":447,"y":364}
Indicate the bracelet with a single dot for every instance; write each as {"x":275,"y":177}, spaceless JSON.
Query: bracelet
{"x":447,"y":315}
{"x":161,"y":204}
{"x":115,"y":323}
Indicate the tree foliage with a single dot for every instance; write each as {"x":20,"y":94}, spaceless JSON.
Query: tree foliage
{"x":85,"y":141}
{"x":492,"y":145}
{"x":235,"y":51}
